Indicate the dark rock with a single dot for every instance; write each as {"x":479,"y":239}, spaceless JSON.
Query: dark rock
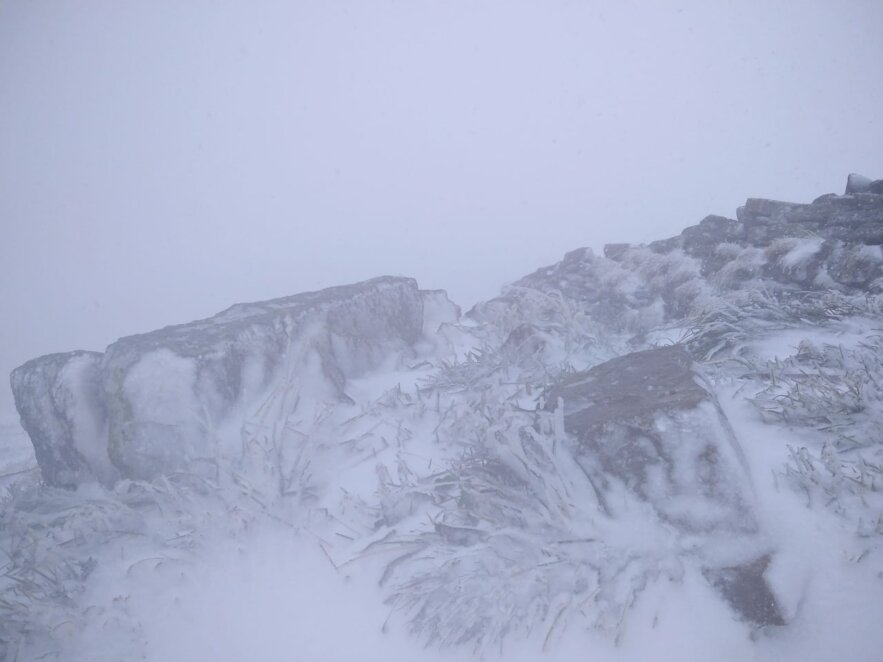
{"x":876,"y":187}
{"x":773,"y":246}
{"x":746,"y":590}
{"x":615,"y":251}
{"x":702,"y":240}
{"x":854,"y":218}
{"x":763,"y":210}
{"x":665,"y":245}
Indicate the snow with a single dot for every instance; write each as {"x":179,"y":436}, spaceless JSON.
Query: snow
{"x":159,"y":387}
{"x":16,"y":455}
{"x":256,"y":585}
{"x":831,"y":597}
{"x":89,"y":433}
{"x":783,"y":343}
{"x":277,"y":597}
{"x":802,"y":250}
{"x":393,"y":484}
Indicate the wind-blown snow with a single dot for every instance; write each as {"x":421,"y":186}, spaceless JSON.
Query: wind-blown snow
{"x":672,"y":452}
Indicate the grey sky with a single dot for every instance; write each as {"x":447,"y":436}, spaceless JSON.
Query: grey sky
{"x":162,"y":160}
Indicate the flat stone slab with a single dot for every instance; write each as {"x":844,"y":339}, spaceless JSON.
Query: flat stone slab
{"x":646,"y":421}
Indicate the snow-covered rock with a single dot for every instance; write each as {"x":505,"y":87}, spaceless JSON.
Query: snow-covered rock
{"x":170,"y":393}
{"x":647,"y":421}
{"x":775,"y":261}
{"x":438,"y":309}
{"x":58,"y":398}
{"x":173,"y":399}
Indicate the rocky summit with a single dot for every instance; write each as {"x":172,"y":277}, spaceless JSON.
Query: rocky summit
{"x":679,"y":418}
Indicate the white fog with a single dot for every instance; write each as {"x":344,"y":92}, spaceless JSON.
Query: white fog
{"x":483,"y":442}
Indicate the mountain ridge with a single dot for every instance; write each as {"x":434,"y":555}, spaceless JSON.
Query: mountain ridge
{"x":568,"y":448}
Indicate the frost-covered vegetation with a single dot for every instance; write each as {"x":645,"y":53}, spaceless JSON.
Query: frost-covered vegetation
{"x":517,"y":538}
{"x":446,"y":463}
{"x":837,"y":392}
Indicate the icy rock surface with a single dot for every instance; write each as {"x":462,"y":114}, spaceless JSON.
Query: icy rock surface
{"x":170,"y":391}
{"x":58,"y":398}
{"x":860,"y":184}
{"x":647,"y":420}
{"x":166,"y":396}
{"x":719,"y":281}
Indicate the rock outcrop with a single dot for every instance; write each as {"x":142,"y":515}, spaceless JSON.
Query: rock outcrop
{"x":170,"y":392}
{"x":646,"y":420}
{"x":856,"y":183}
{"x":801,"y":244}
{"x":779,"y":256}
{"x":161,"y":400}
{"x":58,"y":397}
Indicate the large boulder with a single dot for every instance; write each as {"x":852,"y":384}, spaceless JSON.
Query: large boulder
{"x":170,"y":393}
{"x":856,"y":218}
{"x":175,"y":399}
{"x":647,"y":421}
{"x":59,"y":400}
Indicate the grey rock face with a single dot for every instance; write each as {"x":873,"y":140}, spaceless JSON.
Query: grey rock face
{"x":633,"y":387}
{"x":835,"y":243}
{"x":615,"y":251}
{"x":58,"y":398}
{"x":854,"y":219}
{"x":168,"y":392}
{"x":646,"y":419}
{"x":166,"y":396}
{"x":651,"y":424}
{"x":701,"y":240}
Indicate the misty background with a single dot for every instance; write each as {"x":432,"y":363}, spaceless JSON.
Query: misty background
{"x":160,"y":161}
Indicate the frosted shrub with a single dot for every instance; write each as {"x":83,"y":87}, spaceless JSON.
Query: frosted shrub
{"x":832,"y":389}
{"x":851,"y":488}
{"x":50,"y":540}
{"x":518,"y":539}
{"x":837,"y":392}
